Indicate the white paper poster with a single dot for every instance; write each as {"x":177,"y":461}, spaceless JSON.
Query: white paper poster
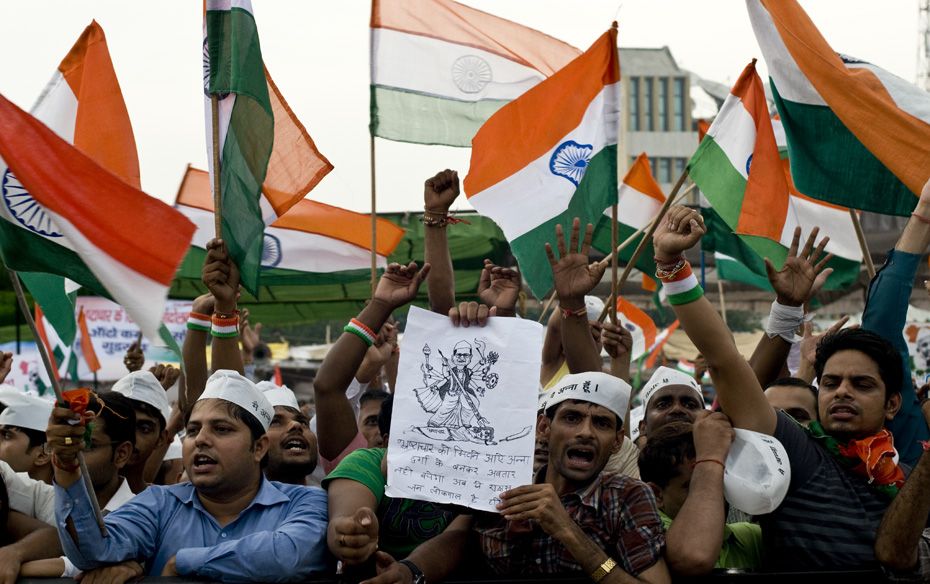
{"x":464,"y":418}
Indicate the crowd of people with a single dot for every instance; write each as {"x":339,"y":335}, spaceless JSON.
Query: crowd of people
{"x":237,"y":482}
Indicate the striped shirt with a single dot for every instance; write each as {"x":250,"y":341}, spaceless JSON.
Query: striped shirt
{"x":618,"y":513}
{"x":829,"y":516}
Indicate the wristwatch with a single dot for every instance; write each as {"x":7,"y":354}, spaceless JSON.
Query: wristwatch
{"x":604,"y":569}
{"x":418,"y":577}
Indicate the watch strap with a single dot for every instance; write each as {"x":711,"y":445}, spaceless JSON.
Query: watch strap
{"x":604,"y":569}
{"x":418,"y":577}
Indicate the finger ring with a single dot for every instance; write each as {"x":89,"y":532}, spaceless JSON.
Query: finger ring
{"x":68,"y":440}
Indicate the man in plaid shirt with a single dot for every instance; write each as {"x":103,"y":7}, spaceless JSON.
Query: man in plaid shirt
{"x":572,"y":518}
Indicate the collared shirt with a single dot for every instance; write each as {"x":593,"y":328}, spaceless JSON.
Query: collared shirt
{"x":29,"y":496}
{"x":618,"y":513}
{"x":280,"y":536}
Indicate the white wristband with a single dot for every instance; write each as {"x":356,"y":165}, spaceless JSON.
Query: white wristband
{"x":784,"y":322}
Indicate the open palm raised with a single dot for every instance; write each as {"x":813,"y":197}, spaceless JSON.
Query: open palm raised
{"x":399,"y":284}
{"x":573,"y":275}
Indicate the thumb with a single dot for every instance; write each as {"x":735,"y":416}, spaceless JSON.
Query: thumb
{"x":383,"y":560}
{"x":365,"y":517}
{"x":258,"y":328}
{"x":770,"y":270}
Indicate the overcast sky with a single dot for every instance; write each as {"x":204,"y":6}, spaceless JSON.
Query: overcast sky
{"x":317,"y":53}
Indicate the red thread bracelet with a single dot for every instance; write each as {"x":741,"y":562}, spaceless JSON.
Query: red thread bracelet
{"x":697,"y":462}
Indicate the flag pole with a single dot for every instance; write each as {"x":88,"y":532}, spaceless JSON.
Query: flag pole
{"x":546,"y":306}
{"x":374,"y":221}
{"x":56,"y":386}
{"x":621,"y":172}
{"x":723,"y":305}
{"x":217,"y":194}
{"x":863,"y":245}
{"x":642,"y":243}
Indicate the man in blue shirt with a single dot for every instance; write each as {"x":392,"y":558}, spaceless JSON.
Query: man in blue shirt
{"x":229,"y":523}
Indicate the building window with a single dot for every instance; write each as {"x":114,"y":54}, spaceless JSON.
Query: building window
{"x":678,"y":104}
{"x":664,"y":170}
{"x":649,"y":122}
{"x":634,"y":104}
{"x":663,"y":104}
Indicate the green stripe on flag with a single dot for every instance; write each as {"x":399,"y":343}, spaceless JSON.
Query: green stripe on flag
{"x":408,"y":116}
{"x":596,"y":192}
{"x":720,"y":182}
{"x":829,"y":163}
{"x":48,"y":290}
{"x":236,"y":66}
{"x":747,"y":252}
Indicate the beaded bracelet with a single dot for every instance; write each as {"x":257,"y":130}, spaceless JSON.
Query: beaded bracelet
{"x":433,"y":219}
{"x":225,"y":327}
{"x":361,"y":330}
{"x":198,"y":322}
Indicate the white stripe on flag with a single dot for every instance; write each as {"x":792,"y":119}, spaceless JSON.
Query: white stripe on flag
{"x":734,"y":131}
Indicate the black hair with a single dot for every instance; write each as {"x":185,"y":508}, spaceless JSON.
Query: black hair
{"x":150,"y":410}
{"x":384,"y":416}
{"x":665,"y":450}
{"x":119,"y":417}
{"x":4,"y":514}
{"x":793,"y":382}
{"x":36,"y":437}
{"x":550,"y":411}
{"x":875,"y":348}
{"x":373,"y":394}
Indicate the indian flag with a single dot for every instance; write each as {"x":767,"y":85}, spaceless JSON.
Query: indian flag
{"x":550,"y":156}
{"x":740,"y":171}
{"x":440,"y":69}
{"x":313,"y":242}
{"x":83,"y":105}
{"x":91,"y":227}
{"x":233,"y":70}
{"x":641,"y":327}
{"x":638,"y":202}
{"x":857,"y":135}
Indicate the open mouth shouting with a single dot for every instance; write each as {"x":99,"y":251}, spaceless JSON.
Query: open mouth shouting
{"x":202,"y":464}
{"x":296,"y":445}
{"x":580,"y":457}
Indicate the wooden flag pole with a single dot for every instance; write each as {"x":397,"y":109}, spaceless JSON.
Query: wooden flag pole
{"x":546,"y":306}
{"x":642,"y":243}
{"x":863,"y":245}
{"x":374,"y":222}
{"x":56,"y":386}
{"x":723,"y":305}
{"x":217,"y":194}
{"x":613,"y":265}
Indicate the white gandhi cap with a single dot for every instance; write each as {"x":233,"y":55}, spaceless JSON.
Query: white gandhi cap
{"x":231,"y":386}
{"x":144,"y":387}
{"x":666,"y":376}
{"x":592,"y":386}
{"x":24,"y":410}
{"x":757,"y":473}
{"x":278,"y":395}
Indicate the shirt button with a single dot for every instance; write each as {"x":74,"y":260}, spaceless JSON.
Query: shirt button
{"x":223,"y":534}
{"x":539,"y":560}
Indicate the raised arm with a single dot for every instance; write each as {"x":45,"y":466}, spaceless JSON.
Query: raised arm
{"x":194,"y":351}
{"x":693,"y":542}
{"x":886,"y":312}
{"x":336,"y":424}
{"x":574,"y":277}
{"x":618,"y":342}
{"x":737,"y":388}
{"x":499,"y":287}
{"x":552,"y":347}
{"x":905,"y":519}
{"x":439,"y":192}
{"x":801,"y":277}
{"x":221,"y":275}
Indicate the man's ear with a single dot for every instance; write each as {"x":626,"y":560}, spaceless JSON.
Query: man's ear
{"x":261,"y":448}
{"x":542,"y":426}
{"x":618,"y":442}
{"x":162,"y":439}
{"x":121,"y":454}
{"x":892,"y":405}
{"x":41,"y":456}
